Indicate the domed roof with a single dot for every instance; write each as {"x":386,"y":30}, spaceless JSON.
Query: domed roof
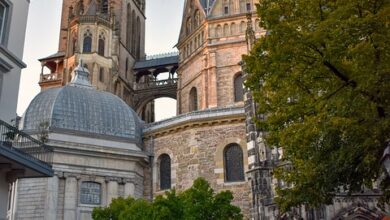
{"x":79,"y":108}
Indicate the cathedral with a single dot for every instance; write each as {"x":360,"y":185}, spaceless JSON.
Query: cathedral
{"x":96,"y":110}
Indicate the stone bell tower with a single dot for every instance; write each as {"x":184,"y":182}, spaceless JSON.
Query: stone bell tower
{"x":108,"y":35}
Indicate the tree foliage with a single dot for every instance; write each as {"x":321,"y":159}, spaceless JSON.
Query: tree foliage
{"x":321,"y":80}
{"x":199,"y":202}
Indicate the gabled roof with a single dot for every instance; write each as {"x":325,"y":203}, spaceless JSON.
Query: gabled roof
{"x":198,"y":4}
{"x":56,"y":55}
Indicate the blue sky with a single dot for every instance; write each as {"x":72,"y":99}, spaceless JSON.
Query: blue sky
{"x":42,"y":34}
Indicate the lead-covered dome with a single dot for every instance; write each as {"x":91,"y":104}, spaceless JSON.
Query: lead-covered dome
{"x":79,"y":108}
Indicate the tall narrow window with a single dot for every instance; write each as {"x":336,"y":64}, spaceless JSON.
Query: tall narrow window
{"x":101,"y":74}
{"x":104,"y":6}
{"x":138,"y":39}
{"x":226,"y":10}
{"x":128,"y":27}
{"x":3,"y":21}
{"x":134,"y":31}
{"x":101,"y":45}
{"x":127,"y":66}
{"x":233,"y":162}
{"x":197,"y":18}
{"x":238,"y":88}
{"x":165,"y":172}
{"x":248,"y":7}
{"x":87,"y":43}
{"x":74,"y":44}
{"x":193,"y":101}
{"x":90,"y":193}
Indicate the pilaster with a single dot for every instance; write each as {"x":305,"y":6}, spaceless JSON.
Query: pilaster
{"x":70,"y":202}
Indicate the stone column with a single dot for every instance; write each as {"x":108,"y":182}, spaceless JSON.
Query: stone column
{"x":129,"y":189}
{"x":70,"y":202}
{"x":51,"y":198}
{"x":112,"y":190}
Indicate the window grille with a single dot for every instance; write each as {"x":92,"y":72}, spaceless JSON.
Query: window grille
{"x":165,"y":172}
{"x":234,"y":166}
{"x":90,"y":193}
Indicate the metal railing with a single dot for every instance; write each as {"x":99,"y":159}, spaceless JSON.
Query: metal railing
{"x":157,"y":84}
{"x":23,"y":143}
{"x":50,"y":77}
{"x":162,"y":55}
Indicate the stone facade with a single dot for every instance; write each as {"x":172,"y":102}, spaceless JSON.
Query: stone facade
{"x":196,"y":149}
{"x":117,"y":32}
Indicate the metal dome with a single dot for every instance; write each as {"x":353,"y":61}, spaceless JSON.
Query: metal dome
{"x":79,"y":108}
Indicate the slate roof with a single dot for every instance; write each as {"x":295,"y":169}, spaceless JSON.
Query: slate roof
{"x":163,"y":61}
{"x":80,"y":108}
{"x":56,"y":55}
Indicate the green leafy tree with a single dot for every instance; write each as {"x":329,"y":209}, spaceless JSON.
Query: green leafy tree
{"x":321,"y":80}
{"x":199,"y":202}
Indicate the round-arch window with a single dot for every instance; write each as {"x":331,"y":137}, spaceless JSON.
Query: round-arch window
{"x":238,"y":88}
{"x":234,"y":165}
{"x":165,"y":172}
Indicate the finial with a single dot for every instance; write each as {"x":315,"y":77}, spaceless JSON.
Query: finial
{"x":81,"y":76}
{"x":250,"y":33}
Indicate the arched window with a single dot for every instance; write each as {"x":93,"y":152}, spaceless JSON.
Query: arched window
{"x":101,"y":44}
{"x":233,"y":162}
{"x":90,"y":193}
{"x":218,"y":32}
{"x":188,"y":26}
{"x":193,"y":101}
{"x":165,"y":172}
{"x":233,"y":28}
{"x":87,"y":43}
{"x":128,"y":27}
{"x":225,"y":30}
{"x":242,"y":26}
{"x":238,"y":88}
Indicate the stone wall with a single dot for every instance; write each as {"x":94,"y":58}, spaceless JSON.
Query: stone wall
{"x":196,"y":150}
{"x":31,"y":197}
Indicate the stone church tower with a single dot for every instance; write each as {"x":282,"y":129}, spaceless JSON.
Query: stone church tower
{"x":108,"y":35}
{"x":208,"y":137}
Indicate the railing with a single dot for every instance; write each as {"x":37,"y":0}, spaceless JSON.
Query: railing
{"x":50,"y":77}
{"x":105,"y":20}
{"x":157,"y":84}
{"x":162,"y":55}
{"x":23,"y":143}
